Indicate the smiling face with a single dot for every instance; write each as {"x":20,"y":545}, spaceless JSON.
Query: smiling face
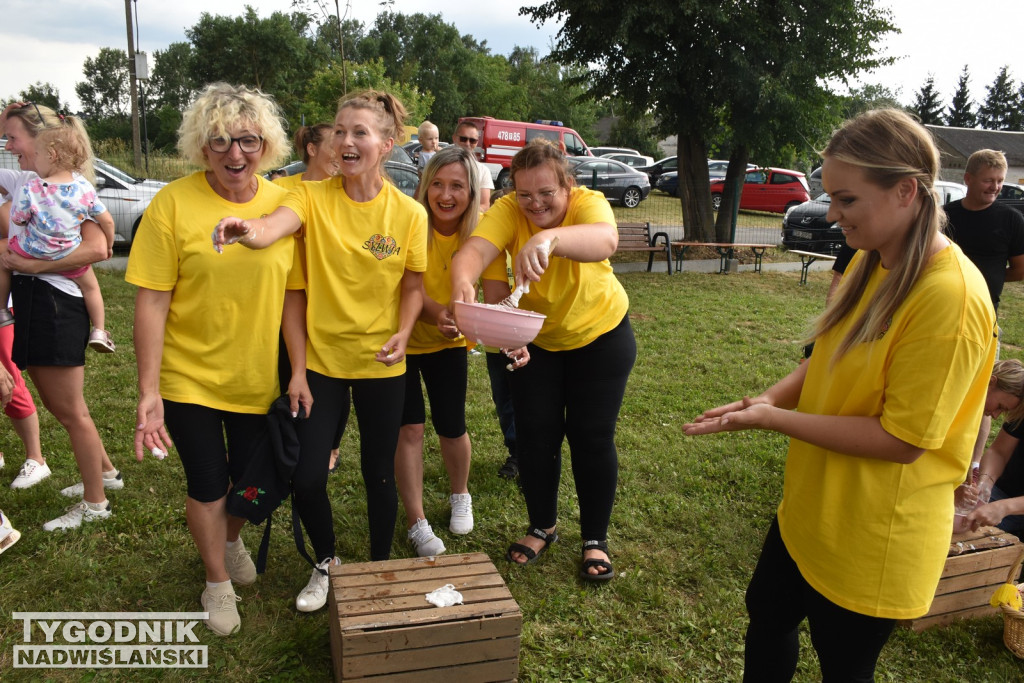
{"x":448,"y":198}
{"x":870,"y":216}
{"x":233,"y":170}
{"x":466,"y":135}
{"x":998,"y":401}
{"x":983,"y":187}
{"x":21,"y":144}
{"x":540,"y":197}
{"x":323,"y":159}
{"x":358,"y":142}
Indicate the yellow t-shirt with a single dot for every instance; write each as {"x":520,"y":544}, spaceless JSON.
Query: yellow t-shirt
{"x":437,"y":283}
{"x":221,"y":338}
{"x":582,"y":301}
{"x":356,"y":255}
{"x":871,"y":535}
{"x":288,"y":182}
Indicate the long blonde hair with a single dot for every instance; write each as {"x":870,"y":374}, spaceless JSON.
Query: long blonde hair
{"x":446,"y":157}
{"x":1009,"y":377}
{"x":888,"y":146}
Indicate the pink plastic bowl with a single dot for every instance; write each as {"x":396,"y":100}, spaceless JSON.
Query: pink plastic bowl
{"x":504,"y":328}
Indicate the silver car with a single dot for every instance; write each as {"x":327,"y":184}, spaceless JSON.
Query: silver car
{"x":125,"y":196}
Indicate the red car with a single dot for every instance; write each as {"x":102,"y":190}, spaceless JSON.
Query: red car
{"x":766,"y":189}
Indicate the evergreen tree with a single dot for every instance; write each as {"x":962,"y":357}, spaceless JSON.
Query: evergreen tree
{"x":999,"y":110}
{"x":961,"y":111}
{"x":926,"y":103}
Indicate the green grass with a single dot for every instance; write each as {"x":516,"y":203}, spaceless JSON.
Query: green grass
{"x":686,"y":530}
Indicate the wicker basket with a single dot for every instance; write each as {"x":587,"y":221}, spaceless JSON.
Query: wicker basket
{"x":1013,"y":620}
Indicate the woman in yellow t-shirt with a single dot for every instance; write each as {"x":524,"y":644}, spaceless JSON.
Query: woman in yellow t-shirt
{"x":193,"y":311}
{"x":882,"y":419}
{"x":573,"y":385}
{"x":365,"y":253}
{"x":315,"y":144}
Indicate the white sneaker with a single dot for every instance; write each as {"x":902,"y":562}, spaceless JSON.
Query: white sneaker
{"x":423,"y":539}
{"x":220,"y":602}
{"x":8,"y":534}
{"x":2,"y":463}
{"x":462,"y":513}
{"x":314,"y":595}
{"x":112,"y":481}
{"x":31,"y":474}
{"x":75,"y":515}
{"x":239,"y":564}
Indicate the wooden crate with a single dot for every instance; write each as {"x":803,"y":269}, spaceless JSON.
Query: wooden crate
{"x":383,"y":628}
{"x":977,"y":565}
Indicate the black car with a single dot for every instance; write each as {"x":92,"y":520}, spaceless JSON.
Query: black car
{"x":658,"y":167}
{"x":618,"y":182}
{"x":404,"y":175}
{"x":668,"y":183}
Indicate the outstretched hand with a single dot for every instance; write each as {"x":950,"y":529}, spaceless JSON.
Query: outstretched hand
{"x":230,"y":230}
{"x":748,"y":413}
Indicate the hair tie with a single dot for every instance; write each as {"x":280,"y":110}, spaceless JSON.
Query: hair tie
{"x":384,"y":101}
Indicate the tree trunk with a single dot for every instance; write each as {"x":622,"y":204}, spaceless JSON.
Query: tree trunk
{"x":693,"y":188}
{"x":734,"y":177}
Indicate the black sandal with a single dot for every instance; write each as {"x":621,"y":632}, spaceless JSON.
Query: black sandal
{"x":606,"y":575}
{"x":530,"y":553}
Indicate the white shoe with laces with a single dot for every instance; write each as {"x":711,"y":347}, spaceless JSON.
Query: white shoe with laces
{"x":31,"y":473}
{"x":112,"y":481}
{"x":314,"y":595}
{"x":219,"y":603}
{"x":76,"y":514}
{"x":423,"y":539}
{"x":462,"y":513}
{"x":239,"y":565}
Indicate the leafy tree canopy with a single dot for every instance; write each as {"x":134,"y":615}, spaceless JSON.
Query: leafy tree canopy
{"x":105,"y":90}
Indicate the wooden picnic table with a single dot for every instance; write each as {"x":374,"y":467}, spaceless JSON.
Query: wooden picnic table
{"x":725,"y":251}
{"x":807,"y":258}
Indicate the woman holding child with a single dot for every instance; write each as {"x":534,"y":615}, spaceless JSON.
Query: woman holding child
{"x":882,"y":418}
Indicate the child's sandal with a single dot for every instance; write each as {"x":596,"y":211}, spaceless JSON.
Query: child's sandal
{"x":100,"y":341}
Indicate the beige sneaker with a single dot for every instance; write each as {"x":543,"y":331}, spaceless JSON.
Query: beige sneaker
{"x":239,"y":564}
{"x":223,"y":613}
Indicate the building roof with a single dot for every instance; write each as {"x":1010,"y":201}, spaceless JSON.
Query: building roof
{"x":957,"y":144}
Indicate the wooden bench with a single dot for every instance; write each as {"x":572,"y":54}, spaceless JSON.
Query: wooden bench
{"x":637,"y":237}
{"x":807,"y":258}
{"x":725,"y":251}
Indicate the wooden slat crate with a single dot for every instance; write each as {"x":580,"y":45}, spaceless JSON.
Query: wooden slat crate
{"x":977,"y":565}
{"x":383,"y":628}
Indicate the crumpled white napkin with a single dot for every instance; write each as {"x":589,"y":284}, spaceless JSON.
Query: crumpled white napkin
{"x":445,"y":596}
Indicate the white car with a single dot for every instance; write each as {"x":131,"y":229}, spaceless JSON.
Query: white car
{"x":125,"y":196}
{"x":631,"y":160}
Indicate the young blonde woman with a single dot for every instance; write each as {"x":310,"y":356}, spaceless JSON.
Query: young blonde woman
{"x":365,"y":253}
{"x":881,"y":419}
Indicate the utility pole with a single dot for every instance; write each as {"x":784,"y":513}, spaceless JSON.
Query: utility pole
{"x":134,"y":86}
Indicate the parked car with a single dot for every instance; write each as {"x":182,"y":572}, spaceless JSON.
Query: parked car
{"x":631,"y":160}
{"x":669,"y":182}
{"x":805,"y":227}
{"x":124,"y":195}
{"x":814,"y":182}
{"x":657,"y":168}
{"x":403,"y":174}
{"x":618,"y":182}
{"x":717,"y":168}
{"x":766,"y":189}
{"x":604,"y":151}
{"x":413,"y":149}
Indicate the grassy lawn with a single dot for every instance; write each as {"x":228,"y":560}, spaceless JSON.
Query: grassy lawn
{"x":686,"y":530}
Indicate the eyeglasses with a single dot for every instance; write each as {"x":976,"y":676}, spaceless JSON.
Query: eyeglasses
{"x":246,"y":143}
{"x":38,"y":113}
{"x":472,"y":141}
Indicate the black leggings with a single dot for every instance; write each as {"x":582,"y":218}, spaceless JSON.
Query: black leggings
{"x":778,"y":599}
{"x":575,"y":395}
{"x":378,"y":404}
{"x":444,"y":374}
{"x":199,"y":435}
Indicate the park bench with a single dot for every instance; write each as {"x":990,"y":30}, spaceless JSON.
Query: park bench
{"x":726,"y":251}
{"x":807,"y":258}
{"x":637,"y":237}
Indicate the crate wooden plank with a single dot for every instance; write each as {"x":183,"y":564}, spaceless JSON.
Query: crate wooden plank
{"x":507,"y":670}
{"x":453,"y":613}
{"x":991,"y":577}
{"x":400,"y":603}
{"x":949,"y":617}
{"x":426,"y":635}
{"x":418,"y":659}
{"x":423,"y":574}
{"x":952,"y":602}
{"x":421,"y":588}
{"x":988,"y":559}
{"x":387,"y":567}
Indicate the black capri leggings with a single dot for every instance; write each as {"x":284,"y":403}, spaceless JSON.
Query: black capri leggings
{"x":575,"y":395}
{"x":444,"y":374}
{"x":199,"y":435}
{"x":378,"y":404}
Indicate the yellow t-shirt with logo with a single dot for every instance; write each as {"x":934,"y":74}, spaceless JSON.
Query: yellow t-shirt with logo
{"x":221,"y":337}
{"x":582,"y":301}
{"x":355,"y":256}
{"x":871,"y":535}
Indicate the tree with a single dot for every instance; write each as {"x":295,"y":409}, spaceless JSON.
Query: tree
{"x":754,"y":66}
{"x":104,"y":93}
{"x":43,"y":93}
{"x":999,"y":110}
{"x":961,"y":110}
{"x":321,"y":101}
{"x":171,"y":83}
{"x":926,"y":105}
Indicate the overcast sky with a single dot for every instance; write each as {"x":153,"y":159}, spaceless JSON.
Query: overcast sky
{"x":48,"y":41}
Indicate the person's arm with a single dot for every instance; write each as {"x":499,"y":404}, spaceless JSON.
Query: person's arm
{"x":409,"y":309}
{"x":6,"y":386}
{"x":467,"y":265}
{"x":993,"y":463}
{"x":256,"y":233}
{"x":586,"y":243}
{"x":92,"y":250}
{"x":106,"y":223}
{"x":293,"y":328}
{"x":485,"y":198}
{"x":1015,"y":271}
{"x":151,"y":307}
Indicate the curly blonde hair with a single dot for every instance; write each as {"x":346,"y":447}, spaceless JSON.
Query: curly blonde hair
{"x":222,"y":107}
{"x":63,"y":139}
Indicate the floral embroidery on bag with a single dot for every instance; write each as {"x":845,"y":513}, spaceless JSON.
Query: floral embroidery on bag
{"x":252,"y":494}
